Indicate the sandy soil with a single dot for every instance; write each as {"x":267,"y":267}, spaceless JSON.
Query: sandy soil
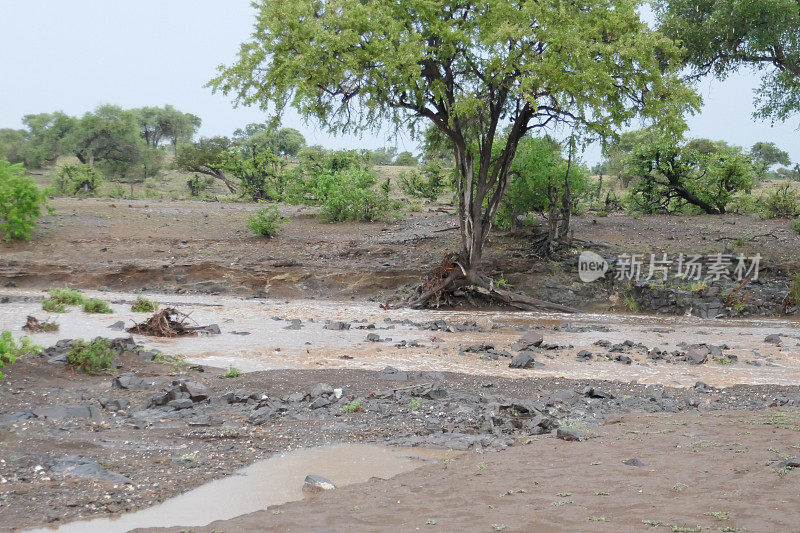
{"x":201,"y":246}
{"x":710,"y":472}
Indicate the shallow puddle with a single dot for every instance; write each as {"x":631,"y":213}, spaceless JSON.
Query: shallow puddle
{"x":272,"y":481}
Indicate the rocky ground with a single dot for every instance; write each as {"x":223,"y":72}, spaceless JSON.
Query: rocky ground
{"x":76,"y":445}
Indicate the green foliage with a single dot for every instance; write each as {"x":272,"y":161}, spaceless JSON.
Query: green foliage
{"x":406,"y":159}
{"x":794,"y":289}
{"x":77,"y":179}
{"x":767,"y":154}
{"x":537,"y":181}
{"x":722,"y":36}
{"x":10,"y":351}
{"x":144,"y":305}
{"x":232,"y":373}
{"x":66,"y":296}
{"x":21,"y":202}
{"x":159,"y":125}
{"x":415,"y":404}
{"x":11,"y":144}
{"x":91,"y":357}
{"x":266,"y":221}
{"x":780,"y":202}
{"x":177,"y":363}
{"x":207,"y":156}
{"x":284,"y":142}
{"x":197,"y":185}
{"x":353,"y":406}
{"x":427,"y":183}
{"x":670,"y":178}
{"x":470,"y":69}
{"x":796,"y":225}
{"x":93,"y":305}
{"x":383,"y":156}
{"x":259,"y":171}
{"x":53,"y":306}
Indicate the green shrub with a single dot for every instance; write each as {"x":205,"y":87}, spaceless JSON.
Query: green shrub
{"x":91,"y":357}
{"x":74,"y":180}
{"x":198,"y":185}
{"x":796,"y":225}
{"x":21,"y":202}
{"x":265,"y":222}
{"x":144,"y":305}
{"x":93,"y":305}
{"x":353,"y":406}
{"x":232,"y":373}
{"x":427,"y":184}
{"x":53,"y":306}
{"x":794,"y":289}
{"x":10,"y":351}
{"x":781,"y":202}
{"x":66,"y":296}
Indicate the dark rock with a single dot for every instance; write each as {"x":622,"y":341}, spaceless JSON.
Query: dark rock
{"x":697,"y":355}
{"x":320,"y":389}
{"x":320,"y":402}
{"x":373,"y":337}
{"x":16,"y":416}
{"x":773,"y":339}
{"x":295,"y":324}
{"x":129,"y":381}
{"x":592,"y":392}
{"x":197,"y":391}
{"x":118,"y":326}
{"x":337,"y":326}
{"x":182,"y":403}
{"x":68,"y":412}
{"x":584,"y":355}
{"x":522,"y":360}
{"x":393,"y":374}
{"x":624,"y":359}
{"x":531,"y":338}
{"x":633,"y":462}
{"x":435,"y":393}
{"x":702,"y":387}
{"x":314,"y":484}
{"x":569,"y":434}
{"x":76,"y":466}
{"x":212,"y":329}
{"x":790,"y":463}
{"x":118,"y":404}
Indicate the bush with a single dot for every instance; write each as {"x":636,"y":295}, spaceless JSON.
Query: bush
{"x":144,"y":305}
{"x":427,"y":184}
{"x":265,"y":222}
{"x":91,"y":357}
{"x":94,"y":305}
{"x":21,"y":202}
{"x":10,"y":351}
{"x":232,"y":373}
{"x":198,"y":185}
{"x":794,"y":289}
{"x":66,"y":296}
{"x":796,"y":225}
{"x":77,"y":179}
{"x":53,"y":306}
{"x":781,"y":202}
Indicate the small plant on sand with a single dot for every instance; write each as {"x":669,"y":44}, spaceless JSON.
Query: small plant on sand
{"x":91,"y":357}
{"x":679,"y":487}
{"x":232,"y":373}
{"x":66,"y":296}
{"x":93,"y":305}
{"x":630,"y":303}
{"x":177,"y":364}
{"x":431,"y":522}
{"x":653,"y":523}
{"x":265,"y":222}
{"x":144,"y":305}
{"x":53,"y":306}
{"x":499,"y":527}
{"x":685,"y":529}
{"x":10,"y":351}
{"x":414,"y":404}
{"x":719,"y":515}
{"x":597,"y":519}
{"x":353,"y":406}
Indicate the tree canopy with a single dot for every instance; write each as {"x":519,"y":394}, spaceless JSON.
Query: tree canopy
{"x":472,"y":69}
{"x":721,"y":36}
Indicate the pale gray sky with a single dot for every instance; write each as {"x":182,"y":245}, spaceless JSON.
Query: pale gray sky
{"x":76,"y":54}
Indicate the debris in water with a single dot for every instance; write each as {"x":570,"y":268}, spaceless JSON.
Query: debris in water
{"x":170,"y":322}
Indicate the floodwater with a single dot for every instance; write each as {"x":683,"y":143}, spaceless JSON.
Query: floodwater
{"x":273,"y":481}
{"x":267,"y":343}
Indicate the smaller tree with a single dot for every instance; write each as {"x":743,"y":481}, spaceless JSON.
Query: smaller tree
{"x":77,"y":179}
{"x":670,"y":177}
{"x":209,"y":157}
{"x":259,"y":171}
{"x":406,"y":159}
{"x":21,"y":202}
{"x":766,"y":155}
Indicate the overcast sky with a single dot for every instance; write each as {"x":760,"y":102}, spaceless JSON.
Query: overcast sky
{"x":74,"y":55}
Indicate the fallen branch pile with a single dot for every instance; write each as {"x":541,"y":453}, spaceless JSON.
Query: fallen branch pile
{"x":170,"y":322}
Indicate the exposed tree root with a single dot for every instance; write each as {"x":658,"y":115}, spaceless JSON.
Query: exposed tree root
{"x":450,"y":278}
{"x":169,"y":322}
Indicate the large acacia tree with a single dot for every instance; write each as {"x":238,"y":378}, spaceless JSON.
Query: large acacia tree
{"x":484,"y":72}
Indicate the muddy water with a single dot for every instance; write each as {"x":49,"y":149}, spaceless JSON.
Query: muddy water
{"x":273,"y":481}
{"x":269,"y":345}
